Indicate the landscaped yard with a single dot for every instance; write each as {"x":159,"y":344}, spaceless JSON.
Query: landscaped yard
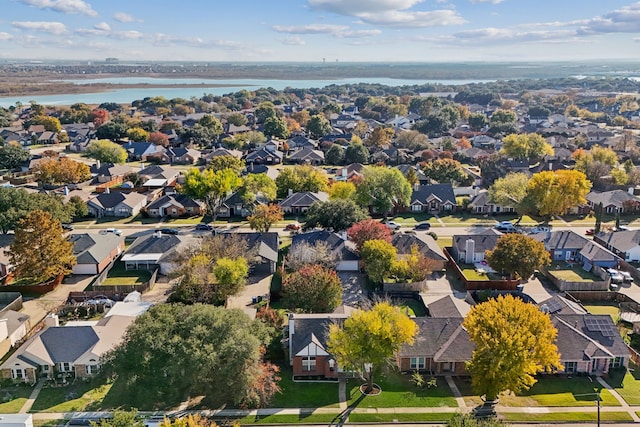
{"x":399,"y":391}
{"x":400,"y":417}
{"x":304,"y":395}
{"x":411,"y":307}
{"x":13,"y":398}
{"x":627,"y":384}
{"x":80,"y":396}
{"x":471,"y":273}
{"x":571,"y":272}
{"x":290,"y":419}
{"x":119,"y":276}
{"x":609,"y":308}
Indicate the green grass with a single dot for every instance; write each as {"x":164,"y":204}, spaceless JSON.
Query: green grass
{"x":567,"y":416}
{"x":470,"y":273}
{"x":410,"y":219}
{"x":604,"y":308}
{"x":627,"y":384}
{"x":445,"y":241}
{"x":192,"y":220}
{"x":388,"y":418}
{"x":304,"y":395}
{"x":81,"y":396}
{"x":289,"y":419}
{"x":399,"y":391}
{"x":13,"y":398}
{"x":464,"y":218}
{"x":412,"y":307}
{"x":118,"y":275}
{"x":571,"y":273}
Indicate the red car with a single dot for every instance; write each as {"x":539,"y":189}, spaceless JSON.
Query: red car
{"x":293,"y":227}
{"x":590,"y":232}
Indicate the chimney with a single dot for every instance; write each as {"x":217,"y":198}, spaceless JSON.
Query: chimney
{"x":416,"y":186}
{"x":631,"y":191}
{"x":550,"y":166}
{"x":51,"y":320}
{"x":97,"y":164}
{"x":469,"y":247}
{"x":157,"y":234}
{"x":107,"y":190}
{"x":344,"y":172}
{"x":290,"y":192}
{"x":4,"y":329}
{"x":65,"y":190}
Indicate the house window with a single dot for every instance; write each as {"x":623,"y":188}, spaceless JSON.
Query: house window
{"x":64,"y":367}
{"x":478,"y":209}
{"x":417,"y":363}
{"x":92,"y":369}
{"x":416,"y":208}
{"x":18,"y":374}
{"x":309,"y":363}
{"x":617,"y":362}
{"x":570,"y":367}
{"x":44,"y":368}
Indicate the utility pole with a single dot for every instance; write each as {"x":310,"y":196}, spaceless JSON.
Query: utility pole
{"x":597,"y":394}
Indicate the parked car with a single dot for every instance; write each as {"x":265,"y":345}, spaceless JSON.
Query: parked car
{"x":392,"y":225}
{"x":422,"y":226}
{"x":294,"y":226}
{"x":173,"y":231}
{"x":67,"y":227}
{"x":615,"y":275}
{"x":204,"y":227}
{"x":590,"y":232}
{"x":505,"y":226}
{"x":626,"y":275}
{"x":115,"y":231}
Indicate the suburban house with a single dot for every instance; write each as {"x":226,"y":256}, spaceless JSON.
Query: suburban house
{"x":174,"y":206}
{"x":563,"y":245}
{"x":186,"y":156}
{"x":480,"y":204}
{"x":624,"y":243}
{"x":422,"y":178}
{"x":159,"y":176}
{"x":116,"y":204}
{"x":71,"y":351}
{"x":266,"y":246}
{"x":307,"y":345}
{"x":106,"y":172}
{"x":94,"y":252}
{"x":307,"y":155}
{"x":155,"y":251}
{"x":349,"y":172}
{"x":142,"y":150}
{"x":594,"y":254}
{"x":222,"y":152}
{"x":471,"y":248}
{"x":298,"y":203}
{"x":344,"y":250}
{"x":14,"y":326}
{"x":234,"y":205}
{"x":615,"y":201}
{"x":424,"y":244}
{"x":265,"y":156}
{"x":434,"y":198}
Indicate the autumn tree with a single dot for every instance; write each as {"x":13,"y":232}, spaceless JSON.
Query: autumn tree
{"x":369,"y":338}
{"x":384,"y":189}
{"x":595,"y":163}
{"x":106,"y":151}
{"x":318,"y":126}
{"x":413,"y":266}
{"x":159,"y":138}
{"x":379,"y":137}
{"x":368,"y":229}
{"x":237,"y":119}
{"x":226,"y":162}
{"x":342,"y":190}
{"x":51,"y":124}
{"x":264,"y":216}
{"x":300,"y":178}
{"x":137,"y":134}
{"x":203,"y":350}
{"x":258,"y":186}
{"x":62,"y":170}
{"x":210,"y":186}
{"x":12,"y":156}
{"x":39,"y":250}
{"x":379,"y":257}
{"x":335,"y":215}
{"x":510,"y":190}
{"x":514,"y":341}
{"x":312,"y":289}
{"x":518,"y":254}
{"x":412,"y":140}
{"x":526,"y":146}
{"x":446,"y":170}
{"x":98,"y":116}
{"x":553,"y":193}
{"x":302,"y":254}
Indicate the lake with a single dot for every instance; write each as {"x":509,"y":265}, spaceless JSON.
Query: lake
{"x":125,"y":96}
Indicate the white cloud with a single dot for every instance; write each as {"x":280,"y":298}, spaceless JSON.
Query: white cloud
{"x":5,"y":36}
{"x":125,"y":17}
{"x":310,"y":29}
{"x":358,"y":7}
{"x":126,"y":35}
{"x":358,"y":33}
{"x":103,"y":26}
{"x":486,"y":1}
{"x":624,"y":20}
{"x":63,"y":6}
{"x":292,"y":41}
{"x":43,"y":26}
{"x":435,"y":18}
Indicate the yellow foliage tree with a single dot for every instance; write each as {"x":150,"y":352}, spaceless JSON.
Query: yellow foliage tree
{"x":62,"y":170}
{"x":553,"y":193}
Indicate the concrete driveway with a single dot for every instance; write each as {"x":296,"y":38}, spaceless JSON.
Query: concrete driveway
{"x":258,"y":286}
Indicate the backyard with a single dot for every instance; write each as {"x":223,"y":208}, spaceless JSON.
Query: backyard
{"x":571,"y":272}
{"x":472,"y":273}
{"x":118,"y":275}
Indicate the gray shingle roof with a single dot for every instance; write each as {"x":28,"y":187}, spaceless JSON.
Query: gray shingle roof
{"x":56,"y":341}
{"x":594,"y":252}
{"x":444,"y":307}
{"x":576,"y":342}
{"x":621,"y":240}
{"x":444,"y":192}
{"x":336,"y":244}
{"x":615,"y":197}
{"x":443,"y":337}
{"x":303,"y":199}
{"x":94,"y":248}
{"x":425,"y":244}
{"x":484,"y":241}
{"x":312,"y":327}
{"x":153,"y":244}
{"x":565,"y":239}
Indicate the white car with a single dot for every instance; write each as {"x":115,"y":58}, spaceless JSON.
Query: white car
{"x":112,"y":230}
{"x":626,"y":275}
{"x":616,"y":277}
{"x":392,"y":225}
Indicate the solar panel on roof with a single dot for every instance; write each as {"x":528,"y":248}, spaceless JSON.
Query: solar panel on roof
{"x":554,"y":306}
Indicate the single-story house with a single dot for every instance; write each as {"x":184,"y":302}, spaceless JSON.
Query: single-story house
{"x":234,"y":206}
{"x":298,"y":203}
{"x":594,"y":254}
{"x":614,"y":201}
{"x":480,"y":204}
{"x":625,"y":244}
{"x":265,"y":156}
{"x":153,"y":251}
{"x":433,"y":198}
{"x":346,"y":173}
{"x":116,"y":204}
{"x":174,"y":206}
{"x":106,"y":172}
{"x":307,"y":156}
{"x":266,"y":246}
{"x":344,"y":250}
{"x":94,"y":252}
{"x":471,"y":248}
{"x":563,"y":245}
{"x":142,"y":150}
{"x":425,"y":244}
{"x":187,"y":156}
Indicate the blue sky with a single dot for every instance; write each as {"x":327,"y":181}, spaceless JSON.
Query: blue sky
{"x":310,"y":30}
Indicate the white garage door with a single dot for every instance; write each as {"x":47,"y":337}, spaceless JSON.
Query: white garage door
{"x":348,"y":266}
{"x":84,"y":269}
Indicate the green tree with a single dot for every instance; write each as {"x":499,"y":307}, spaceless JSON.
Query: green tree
{"x":342,"y":190}
{"x":12,"y":156}
{"x":477,"y":121}
{"x":518,"y":254}
{"x":335,"y":155}
{"x":120,"y":418}
{"x":503,"y":122}
{"x":300,"y":178}
{"x":106,"y":151}
{"x":264,"y":111}
{"x":79,"y":207}
{"x":379,"y":258}
{"x":212,"y":124}
{"x":446,"y":170}
{"x":368,"y":339}
{"x":510,"y":190}
{"x":275,"y":126}
{"x":384,"y":189}
{"x":237,"y":119}
{"x":112,"y":130}
{"x":202,"y":350}
{"x":368,"y":229}
{"x":552,"y":193}
{"x":526,"y":146}
{"x":264,"y":216}
{"x":17,"y":203}
{"x":50,"y":124}
{"x":231,"y":276}
{"x":336,"y":215}
{"x":39,"y":250}
{"x":356,"y":153}
{"x":312,"y":289}
{"x":258,"y":186}
{"x":137,"y":134}
{"x":210,"y":186}
{"x":514,"y":341}
{"x":318,"y":126}
{"x":596,"y":163}
{"x":227,"y":162}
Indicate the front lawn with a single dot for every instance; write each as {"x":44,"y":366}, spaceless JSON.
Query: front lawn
{"x":400,"y":417}
{"x":118,"y":275}
{"x":626,"y":383}
{"x":399,"y":391}
{"x":304,"y":395}
{"x":80,"y":396}
{"x":565,"y":416}
{"x":327,"y":419}
{"x":13,"y":398}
